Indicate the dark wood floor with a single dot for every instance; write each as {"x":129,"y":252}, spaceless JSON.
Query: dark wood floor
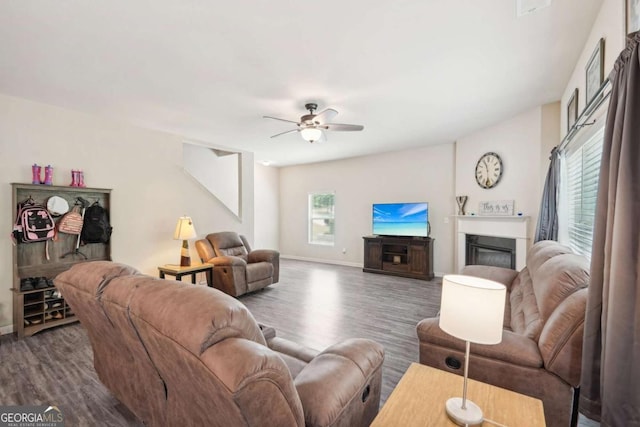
{"x":318,"y":305}
{"x":314,"y":304}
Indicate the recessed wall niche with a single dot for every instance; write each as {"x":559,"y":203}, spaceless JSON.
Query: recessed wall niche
{"x":218,"y":171}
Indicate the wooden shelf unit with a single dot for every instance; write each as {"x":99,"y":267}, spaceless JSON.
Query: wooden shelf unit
{"x":29,"y":260}
{"x":40,"y":310}
{"x":399,"y":256}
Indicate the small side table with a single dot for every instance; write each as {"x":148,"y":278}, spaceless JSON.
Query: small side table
{"x":178,"y":271}
{"x":418,"y":401}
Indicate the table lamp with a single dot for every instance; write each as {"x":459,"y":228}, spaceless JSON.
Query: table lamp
{"x":185,"y":231}
{"x":471,"y":309}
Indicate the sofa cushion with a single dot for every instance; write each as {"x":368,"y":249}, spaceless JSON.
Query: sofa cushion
{"x":207,"y":316}
{"x":558,"y":278}
{"x":228,"y":243}
{"x":541,"y":252}
{"x":525,"y":316}
{"x":506,"y":276}
{"x":93,"y":277}
{"x":238,"y":251}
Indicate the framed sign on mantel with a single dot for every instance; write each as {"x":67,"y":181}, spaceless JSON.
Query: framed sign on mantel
{"x":496,"y":207}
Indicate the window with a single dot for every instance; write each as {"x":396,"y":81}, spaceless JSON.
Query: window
{"x":582,"y":170}
{"x":321,"y":218}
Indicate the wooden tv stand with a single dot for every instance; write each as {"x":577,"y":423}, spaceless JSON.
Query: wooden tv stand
{"x":399,"y":256}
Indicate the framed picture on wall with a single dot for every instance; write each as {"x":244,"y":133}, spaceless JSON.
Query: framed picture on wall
{"x":595,"y":72}
{"x":572,"y":110}
{"x":632,"y":13}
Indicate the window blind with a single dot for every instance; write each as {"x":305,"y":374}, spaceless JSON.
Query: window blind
{"x":582,"y":175}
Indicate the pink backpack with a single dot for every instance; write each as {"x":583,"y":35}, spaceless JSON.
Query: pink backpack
{"x":33,"y":223}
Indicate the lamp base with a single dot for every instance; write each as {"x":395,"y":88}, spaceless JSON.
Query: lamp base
{"x":185,"y":259}
{"x":471,"y":416}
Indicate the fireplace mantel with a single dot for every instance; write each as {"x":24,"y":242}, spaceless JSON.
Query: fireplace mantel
{"x":511,"y":227}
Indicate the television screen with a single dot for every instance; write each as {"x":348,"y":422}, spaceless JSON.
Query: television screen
{"x":401,"y":219}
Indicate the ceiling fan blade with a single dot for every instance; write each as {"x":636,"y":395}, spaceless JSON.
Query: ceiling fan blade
{"x":341,"y":127}
{"x":287,"y":131}
{"x":276,"y":118}
{"x":325,"y":116}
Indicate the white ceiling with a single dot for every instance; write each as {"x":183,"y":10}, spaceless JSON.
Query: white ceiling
{"x":413,"y":72}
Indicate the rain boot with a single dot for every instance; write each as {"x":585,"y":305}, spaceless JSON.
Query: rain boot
{"x":48,"y":175}
{"x":35,"y":174}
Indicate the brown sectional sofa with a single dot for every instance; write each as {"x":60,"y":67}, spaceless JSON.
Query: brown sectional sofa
{"x":179,"y":354}
{"x":541,"y":349}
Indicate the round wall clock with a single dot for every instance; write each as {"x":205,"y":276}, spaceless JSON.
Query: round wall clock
{"x":488,"y":170}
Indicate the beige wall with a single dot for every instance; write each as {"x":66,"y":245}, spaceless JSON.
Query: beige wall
{"x":435,"y":174}
{"x":150,"y":189}
{"x":425,"y":174}
{"x":267,"y":212}
{"x":609,"y":24}
{"x":550,"y":137}
{"x":517,"y":141}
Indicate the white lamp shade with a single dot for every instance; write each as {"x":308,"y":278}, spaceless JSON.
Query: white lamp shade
{"x":184,"y":229}
{"x":311,"y":134}
{"x":472,"y":308}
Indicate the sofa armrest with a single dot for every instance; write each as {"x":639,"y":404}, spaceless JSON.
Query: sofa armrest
{"x":260,"y":255}
{"x":296,"y":356}
{"x":561,"y":338}
{"x":498,"y":274}
{"x":256,"y":378}
{"x":229,"y":274}
{"x":514,"y":349}
{"x":205,"y":250}
{"x":286,"y":347}
{"x":292,"y":349}
{"x":267,"y":255}
{"x":227,"y":261}
{"x":341,"y":386}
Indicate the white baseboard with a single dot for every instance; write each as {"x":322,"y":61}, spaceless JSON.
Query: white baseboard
{"x":345,"y":263}
{"x":4,"y":330}
{"x":323,"y":261}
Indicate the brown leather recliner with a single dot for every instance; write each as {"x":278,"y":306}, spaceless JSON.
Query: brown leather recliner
{"x":236,"y":268}
{"x":541,"y":350}
{"x":178,"y":354}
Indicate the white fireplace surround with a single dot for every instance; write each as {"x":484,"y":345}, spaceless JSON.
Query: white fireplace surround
{"x":510,"y":227}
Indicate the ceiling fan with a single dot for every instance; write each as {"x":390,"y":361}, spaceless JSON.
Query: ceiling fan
{"x":311,"y":125}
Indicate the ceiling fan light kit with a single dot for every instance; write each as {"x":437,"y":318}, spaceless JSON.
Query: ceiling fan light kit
{"x":311,"y":125}
{"x":311,"y":134}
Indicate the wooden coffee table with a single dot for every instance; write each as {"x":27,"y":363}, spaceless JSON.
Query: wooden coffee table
{"x":419,"y":398}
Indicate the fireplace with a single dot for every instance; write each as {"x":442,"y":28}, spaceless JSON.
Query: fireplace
{"x":493,"y":251}
{"x":515,"y":228}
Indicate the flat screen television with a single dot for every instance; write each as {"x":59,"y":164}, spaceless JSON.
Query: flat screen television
{"x":401,"y":219}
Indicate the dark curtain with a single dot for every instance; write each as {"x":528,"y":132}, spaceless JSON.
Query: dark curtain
{"x":547,"y":228}
{"x":610,"y":389}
